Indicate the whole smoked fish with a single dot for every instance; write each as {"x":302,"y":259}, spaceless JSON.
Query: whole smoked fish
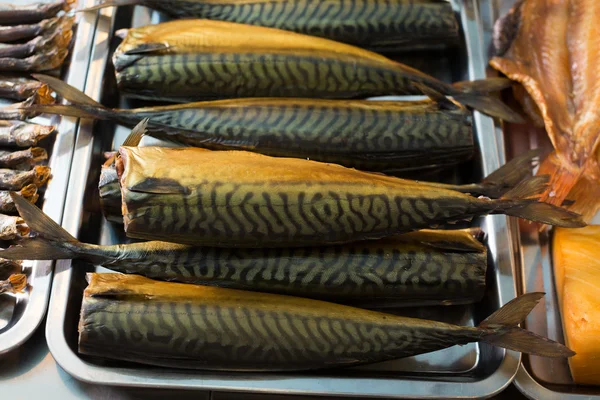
{"x":23,"y":134}
{"x":388,"y":26}
{"x":241,"y":199}
{"x":552,"y":49}
{"x":7,"y":205}
{"x":382,"y":136}
{"x":419,"y":268}
{"x":128,"y":317}
{"x":190,"y":60}
{"x":16,"y":180}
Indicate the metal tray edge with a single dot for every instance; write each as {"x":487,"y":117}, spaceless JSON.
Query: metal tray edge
{"x":41,"y":271}
{"x":497,"y":226}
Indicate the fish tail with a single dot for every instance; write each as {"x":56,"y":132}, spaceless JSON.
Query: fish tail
{"x":476,"y":94}
{"x":510,"y":174}
{"x":112,"y":3}
{"x":82,"y":106}
{"x":562,"y":179}
{"x":523,"y":201}
{"x":501,"y":329}
{"x":53,"y":242}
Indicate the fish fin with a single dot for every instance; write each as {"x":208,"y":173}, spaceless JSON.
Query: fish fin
{"x":528,"y":188}
{"x":436,"y":96}
{"x":147,"y":48}
{"x":562,"y":179}
{"x":523,"y":202}
{"x":67,"y":91}
{"x":39,"y":248}
{"x":137,"y":133}
{"x":503,"y":331}
{"x":18,"y":282}
{"x":159,"y":186}
{"x":483,"y":86}
{"x":66,"y":110}
{"x":511,"y":173}
{"x":40,"y":222}
{"x":476,"y":94}
{"x":112,"y":3}
{"x":584,"y":198}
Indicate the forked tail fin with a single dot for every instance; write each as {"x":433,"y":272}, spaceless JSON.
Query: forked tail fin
{"x":502,"y":330}
{"x":476,"y":94}
{"x":82,"y":106}
{"x":53,"y":242}
{"x":523,"y":202}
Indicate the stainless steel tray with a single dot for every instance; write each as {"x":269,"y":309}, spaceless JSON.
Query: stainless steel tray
{"x":537,"y":378}
{"x":22,"y":314}
{"x":473,"y":371}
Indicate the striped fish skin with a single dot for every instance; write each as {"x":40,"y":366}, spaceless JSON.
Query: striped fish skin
{"x":192,"y":77}
{"x":392,"y":25}
{"x":388,"y":272}
{"x":242,"y":199}
{"x":389,"y":137}
{"x":224,"y":329}
{"x":215,"y":59}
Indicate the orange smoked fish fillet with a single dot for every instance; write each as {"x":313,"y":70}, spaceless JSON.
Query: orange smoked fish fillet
{"x":552,"y":47}
{"x":577,"y":276}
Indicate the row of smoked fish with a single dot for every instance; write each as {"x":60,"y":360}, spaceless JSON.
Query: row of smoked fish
{"x":278,"y":221}
{"x":33,"y":38}
{"x":551,"y":49}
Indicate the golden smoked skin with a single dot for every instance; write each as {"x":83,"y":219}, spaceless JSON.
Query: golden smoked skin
{"x":243,"y":199}
{"x":128,"y":317}
{"x":553,"y":50}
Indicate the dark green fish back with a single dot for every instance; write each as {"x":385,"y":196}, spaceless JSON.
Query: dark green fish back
{"x":373,"y":272}
{"x":382,"y":24}
{"x":287,"y":214}
{"x":247,"y":337}
{"x":197,"y":76}
{"x":377,"y":138}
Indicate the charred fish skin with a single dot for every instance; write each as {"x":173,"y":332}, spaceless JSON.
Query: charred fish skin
{"x":198,"y":76}
{"x":390,"y":25}
{"x":234,"y":334}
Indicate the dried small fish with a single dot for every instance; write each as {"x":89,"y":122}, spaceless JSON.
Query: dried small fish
{"x":12,"y":14}
{"x":19,"y":87}
{"x":14,"y":284}
{"x":9,"y":267}
{"x":50,"y":40}
{"x":242,"y":199}
{"x":12,"y":227}
{"x":21,"y":32}
{"x":46,"y":60}
{"x":23,"y":134}
{"x":16,"y":180}
{"x":22,"y":159}
{"x":7,"y":205}
{"x":128,"y":317}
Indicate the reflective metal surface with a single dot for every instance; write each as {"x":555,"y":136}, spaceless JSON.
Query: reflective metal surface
{"x":22,"y":314}
{"x":472,"y":371}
